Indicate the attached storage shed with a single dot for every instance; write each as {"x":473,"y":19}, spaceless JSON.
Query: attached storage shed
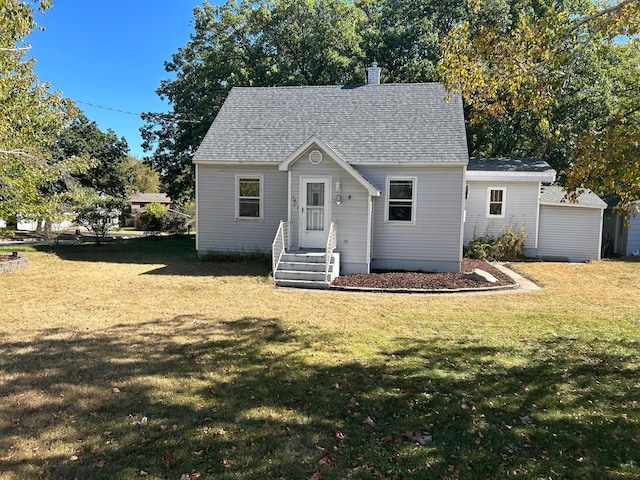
{"x":569,"y":231}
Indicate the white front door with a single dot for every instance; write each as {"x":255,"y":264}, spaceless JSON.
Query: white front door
{"x":315,"y":195}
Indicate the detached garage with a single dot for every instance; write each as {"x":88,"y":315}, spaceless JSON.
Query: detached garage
{"x":569,"y":231}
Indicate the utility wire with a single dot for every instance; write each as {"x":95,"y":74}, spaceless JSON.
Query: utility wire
{"x":127,"y":112}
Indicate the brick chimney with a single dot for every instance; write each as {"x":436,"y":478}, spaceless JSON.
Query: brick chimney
{"x":373,"y":74}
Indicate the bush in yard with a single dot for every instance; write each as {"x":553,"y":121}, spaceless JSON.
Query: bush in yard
{"x":151,"y":220}
{"x":175,"y":223}
{"x":157,"y":218}
{"x":507,"y":246}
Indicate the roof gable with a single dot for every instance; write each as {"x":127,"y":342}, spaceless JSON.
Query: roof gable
{"x":367,"y":124}
{"x":285,"y":165}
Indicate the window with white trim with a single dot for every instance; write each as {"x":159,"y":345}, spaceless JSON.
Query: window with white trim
{"x":249,"y":197}
{"x":496,"y":198}
{"x":401,"y":199}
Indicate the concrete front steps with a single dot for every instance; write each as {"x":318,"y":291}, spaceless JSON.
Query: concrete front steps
{"x":306,"y":270}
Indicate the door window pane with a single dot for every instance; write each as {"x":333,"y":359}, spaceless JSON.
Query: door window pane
{"x":315,"y":206}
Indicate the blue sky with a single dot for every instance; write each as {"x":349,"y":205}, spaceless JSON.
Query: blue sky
{"x":111,"y":54}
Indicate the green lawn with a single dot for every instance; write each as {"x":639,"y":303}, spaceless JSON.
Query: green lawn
{"x":137,"y":360}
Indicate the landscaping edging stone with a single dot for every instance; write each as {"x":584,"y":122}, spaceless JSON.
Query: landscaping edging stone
{"x":16,"y":261}
{"x":513,"y":286}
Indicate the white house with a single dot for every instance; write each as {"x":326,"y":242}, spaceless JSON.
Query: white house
{"x":346,"y":179}
{"x":514,"y":192}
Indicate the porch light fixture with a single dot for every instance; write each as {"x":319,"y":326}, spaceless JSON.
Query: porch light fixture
{"x":338,"y":192}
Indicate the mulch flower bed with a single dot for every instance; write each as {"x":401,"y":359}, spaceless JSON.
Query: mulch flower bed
{"x":387,"y":280}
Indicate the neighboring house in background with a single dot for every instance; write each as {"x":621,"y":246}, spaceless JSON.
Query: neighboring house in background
{"x":358,"y":177}
{"x":620,"y":237}
{"x":32,"y":225}
{"x":138,"y":202}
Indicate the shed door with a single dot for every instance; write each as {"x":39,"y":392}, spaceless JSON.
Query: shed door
{"x":314,"y":215}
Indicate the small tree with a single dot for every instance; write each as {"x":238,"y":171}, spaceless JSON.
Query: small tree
{"x":97,"y":214}
{"x":151,"y":220}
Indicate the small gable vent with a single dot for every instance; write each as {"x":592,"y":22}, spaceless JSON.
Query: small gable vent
{"x":315,"y":157}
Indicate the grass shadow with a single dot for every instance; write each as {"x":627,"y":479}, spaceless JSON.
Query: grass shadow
{"x":176,"y":254}
{"x":248,"y":398}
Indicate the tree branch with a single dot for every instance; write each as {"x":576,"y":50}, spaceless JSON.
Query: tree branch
{"x":21,"y":153}
{"x":601,"y":13}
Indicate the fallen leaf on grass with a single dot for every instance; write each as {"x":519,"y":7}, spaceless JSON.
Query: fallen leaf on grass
{"x":369,"y":421}
{"x":316,"y":476}
{"x":73,"y":458}
{"x":144,"y":473}
{"x":326,"y":459}
{"x":115,"y":390}
{"x":100,"y":464}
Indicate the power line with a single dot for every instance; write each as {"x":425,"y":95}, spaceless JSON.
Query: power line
{"x":127,"y":112}
{"x":108,"y":108}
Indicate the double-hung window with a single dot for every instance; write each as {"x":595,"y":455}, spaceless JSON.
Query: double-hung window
{"x":496,"y":198}
{"x":401,"y":199}
{"x":249,"y":197}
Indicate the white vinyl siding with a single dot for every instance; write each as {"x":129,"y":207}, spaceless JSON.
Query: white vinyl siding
{"x":569,"y":233}
{"x":218,"y":227}
{"x":633,"y":235}
{"x":435,"y":244}
{"x":401,"y":194}
{"x":521,"y":210}
{"x":249,"y":197}
{"x":350,"y":216}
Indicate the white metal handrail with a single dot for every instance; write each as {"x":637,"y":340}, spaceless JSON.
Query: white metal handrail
{"x":279,"y":245}
{"x":331,"y":245}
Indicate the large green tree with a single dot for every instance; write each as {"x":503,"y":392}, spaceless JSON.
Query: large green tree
{"x":563,"y":76}
{"x":545,"y":78}
{"x":110,"y":172}
{"x":31,"y":119}
{"x":250,"y":43}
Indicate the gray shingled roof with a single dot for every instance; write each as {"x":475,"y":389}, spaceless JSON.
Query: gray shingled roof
{"x":557,"y":195}
{"x":533,"y":165}
{"x":144,"y":197}
{"x":369,"y":123}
